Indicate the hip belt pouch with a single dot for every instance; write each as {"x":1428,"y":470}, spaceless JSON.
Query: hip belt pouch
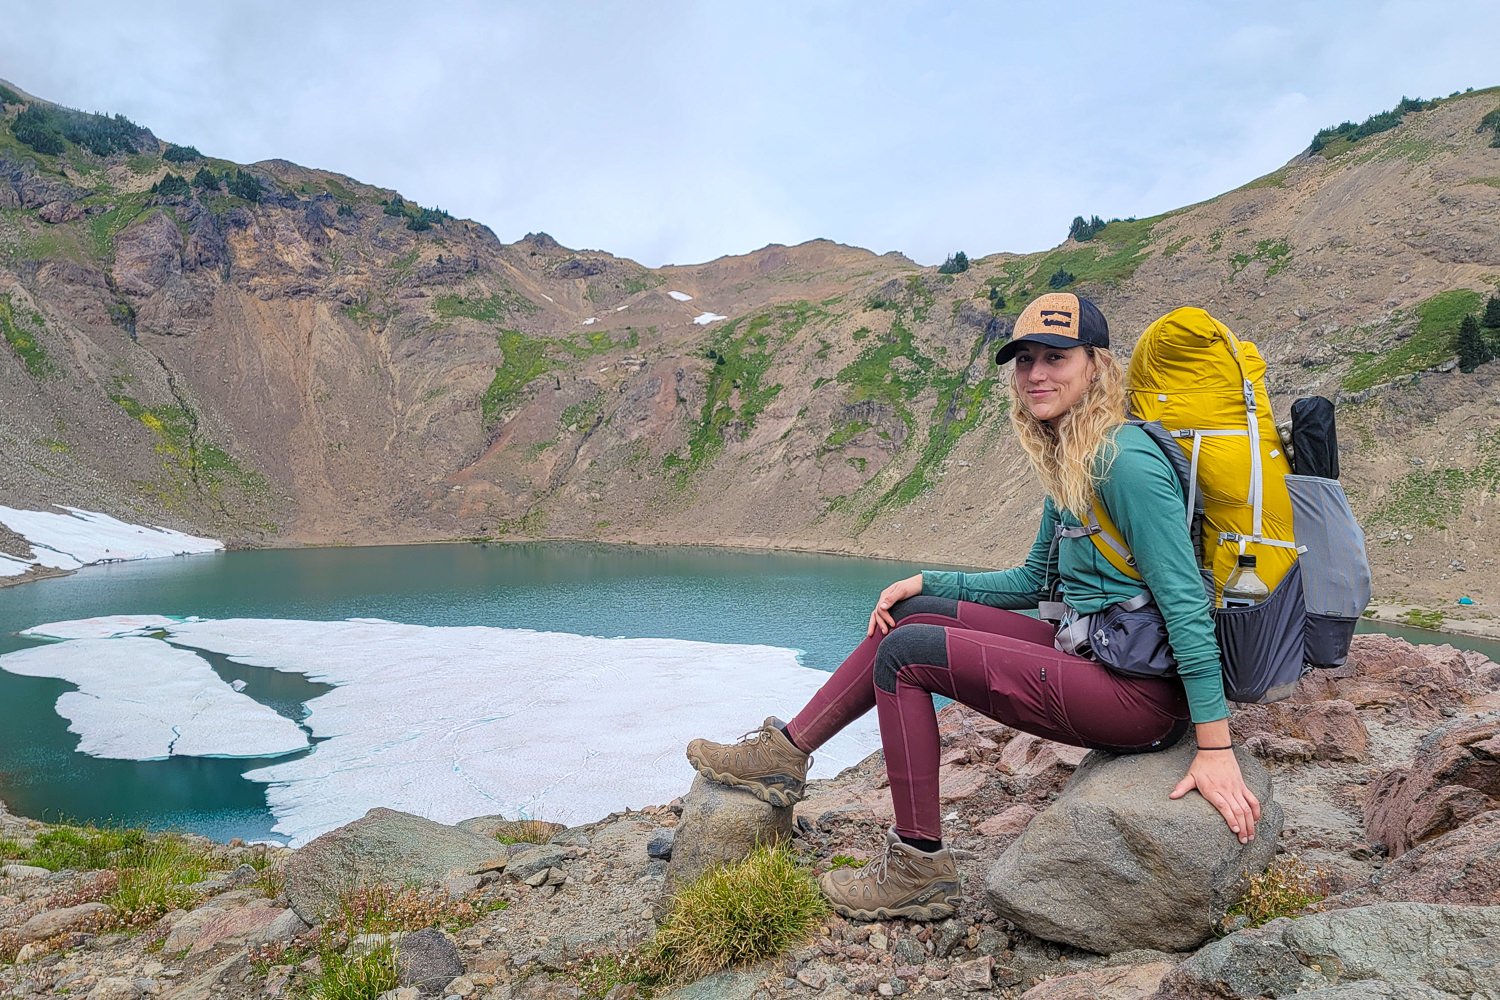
{"x":1335,"y":570}
{"x":1262,"y":645}
{"x":1132,"y":642}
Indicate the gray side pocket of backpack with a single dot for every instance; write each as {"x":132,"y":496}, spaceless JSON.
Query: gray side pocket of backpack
{"x":1262,"y":645}
{"x":1335,"y":569}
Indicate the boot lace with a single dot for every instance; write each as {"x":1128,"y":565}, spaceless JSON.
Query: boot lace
{"x":762,"y":735}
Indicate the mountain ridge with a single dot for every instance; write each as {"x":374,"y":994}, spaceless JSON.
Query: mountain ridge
{"x":329,"y":363}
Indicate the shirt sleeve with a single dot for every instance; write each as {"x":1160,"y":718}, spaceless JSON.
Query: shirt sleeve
{"x":1012,"y":589}
{"x":1144,"y":498}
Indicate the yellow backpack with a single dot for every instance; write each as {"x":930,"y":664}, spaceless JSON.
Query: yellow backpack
{"x":1199,"y":393}
{"x":1191,"y":374}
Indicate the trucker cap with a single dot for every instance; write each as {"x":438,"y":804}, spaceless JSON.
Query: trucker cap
{"x":1057,"y":319}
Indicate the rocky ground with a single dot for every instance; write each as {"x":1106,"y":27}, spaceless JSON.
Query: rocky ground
{"x":1386,"y":779}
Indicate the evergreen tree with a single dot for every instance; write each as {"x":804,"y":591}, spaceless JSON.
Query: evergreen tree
{"x":1473,"y":349}
{"x":1061,"y":278}
{"x":1491,"y":313}
{"x":171,"y":186}
{"x":958,"y":263}
{"x":206,"y":180}
{"x":181,"y":154}
{"x":37,"y":129}
{"x":243,"y":185}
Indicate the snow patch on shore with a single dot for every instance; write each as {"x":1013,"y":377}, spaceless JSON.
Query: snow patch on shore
{"x":681,"y":296}
{"x":703,"y":319}
{"x":82,"y":538}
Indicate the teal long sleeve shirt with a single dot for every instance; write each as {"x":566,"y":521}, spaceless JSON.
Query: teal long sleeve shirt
{"x":1144,"y":499}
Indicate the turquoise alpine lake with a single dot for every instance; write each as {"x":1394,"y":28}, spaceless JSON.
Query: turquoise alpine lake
{"x":818,"y":605}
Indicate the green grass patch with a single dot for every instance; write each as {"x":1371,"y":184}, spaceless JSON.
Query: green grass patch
{"x":593,"y":342}
{"x":742,"y":352}
{"x":1273,"y":252}
{"x":1175,"y":247}
{"x":1430,"y":499}
{"x":739,"y":914}
{"x":523,"y":360}
{"x":960,"y":408}
{"x":1431,"y":344}
{"x":845,"y":861}
{"x":494,"y":308}
{"x":1418,"y":618}
{"x":157,"y":877}
{"x":122,"y":210}
{"x":22,"y":333}
{"x":185,"y":455}
{"x":583,"y":412}
{"x":76,"y":848}
{"x":1109,"y":258}
{"x":843,"y":434}
{"x":1493,"y":182}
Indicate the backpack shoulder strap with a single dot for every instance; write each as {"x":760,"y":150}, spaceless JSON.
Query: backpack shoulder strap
{"x":1101,"y":528}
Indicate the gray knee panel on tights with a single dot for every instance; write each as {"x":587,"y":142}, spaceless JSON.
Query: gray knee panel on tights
{"x":909,"y":644}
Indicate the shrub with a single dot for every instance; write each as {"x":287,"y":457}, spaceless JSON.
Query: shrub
{"x":418,"y":219}
{"x":36,"y":129}
{"x":361,"y":976}
{"x":736,"y":914}
{"x":525,"y":831}
{"x":1473,"y":348}
{"x":956,"y":264}
{"x":8,"y":96}
{"x":157,"y":877}
{"x":1083,"y":229}
{"x":171,"y":186}
{"x":243,"y":185}
{"x":1376,"y":123}
{"x":181,"y":154}
{"x":206,"y":180}
{"x":1061,"y":278}
{"x":1286,"y":888}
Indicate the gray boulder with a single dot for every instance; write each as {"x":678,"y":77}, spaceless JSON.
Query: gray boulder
{"x":385,"y":847}
{"x":1114,"y":864}
{"x":1421,"y":950}
{"x":428,"y":961}
{"x":719,"y":825}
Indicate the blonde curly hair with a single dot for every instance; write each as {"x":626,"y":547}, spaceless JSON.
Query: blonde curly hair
{"x":1072,"y":453}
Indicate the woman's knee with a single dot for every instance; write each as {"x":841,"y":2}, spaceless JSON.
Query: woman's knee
{"x":924,"y":604}
{"x":926,"y":645}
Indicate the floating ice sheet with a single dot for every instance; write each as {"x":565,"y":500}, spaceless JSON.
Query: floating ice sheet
{"x":141,"y":699}
{"x":703,"y":319}
{"x":681,"y":296}
{"x":80,"y":537}
{"x":458,"y":722}
{"x":103,"y":627}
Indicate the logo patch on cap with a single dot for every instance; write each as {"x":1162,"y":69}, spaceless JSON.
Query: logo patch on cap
{"x":1057,"y":317}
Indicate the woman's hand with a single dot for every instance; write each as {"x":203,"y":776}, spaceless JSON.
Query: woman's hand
{"x":1216,"y":776}
{"x":899,"y":591}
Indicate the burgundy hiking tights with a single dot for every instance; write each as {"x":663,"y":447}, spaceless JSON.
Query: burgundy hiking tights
{"x":999,"y":663}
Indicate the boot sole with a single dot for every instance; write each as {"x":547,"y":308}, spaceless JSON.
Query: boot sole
{"x":779,"y":797}
{"x":927,"y":911}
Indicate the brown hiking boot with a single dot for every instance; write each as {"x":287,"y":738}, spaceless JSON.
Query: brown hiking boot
{"x":764,"y":763}
{"x":904,"y":882}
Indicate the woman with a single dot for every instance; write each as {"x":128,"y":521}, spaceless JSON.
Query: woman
{"x":954,"y":634}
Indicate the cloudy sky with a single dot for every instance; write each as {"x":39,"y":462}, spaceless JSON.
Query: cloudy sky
{"x":675,"y":132}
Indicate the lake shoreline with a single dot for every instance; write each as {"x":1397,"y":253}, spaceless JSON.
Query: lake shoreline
{"x":1385,"y":613}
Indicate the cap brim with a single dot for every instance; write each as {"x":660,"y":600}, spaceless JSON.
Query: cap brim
{"x":1048,"y":339}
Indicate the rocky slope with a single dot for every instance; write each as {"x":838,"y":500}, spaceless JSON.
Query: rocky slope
{"x":319,"y":361}
{"x":1412,"y":907}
